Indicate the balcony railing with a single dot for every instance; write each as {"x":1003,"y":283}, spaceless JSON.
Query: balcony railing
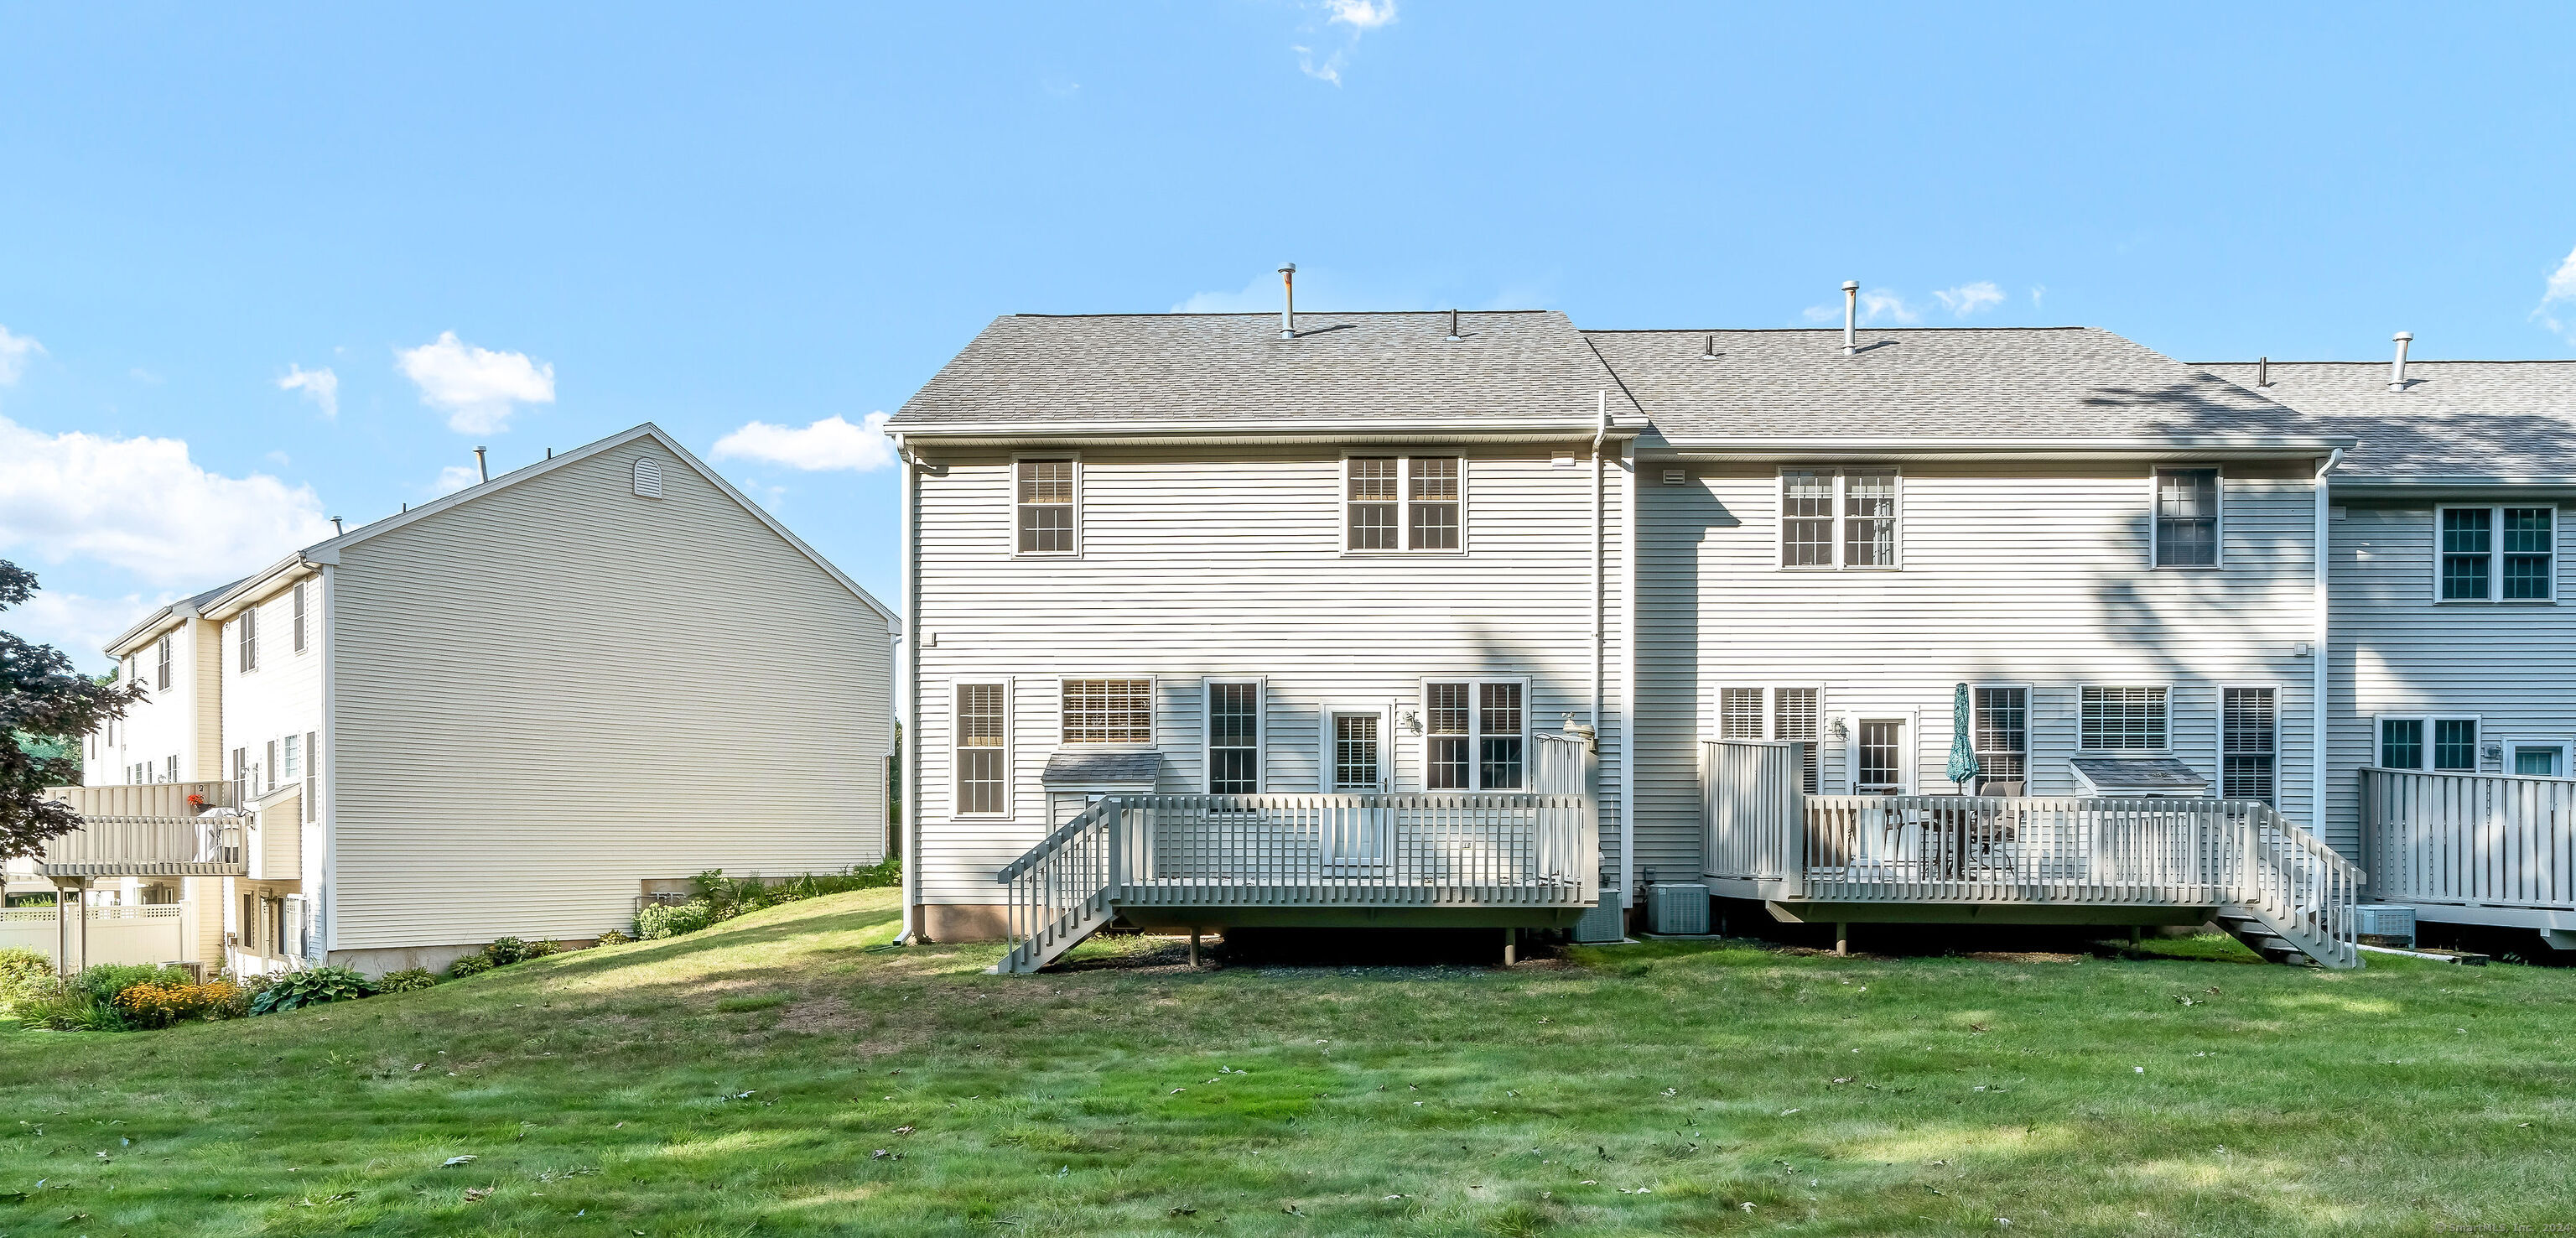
{"x":170,"y":829}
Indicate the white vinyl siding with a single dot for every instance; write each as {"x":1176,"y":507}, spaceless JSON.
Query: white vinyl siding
{"x":1270,"y":591}
{"x":519,"y":613}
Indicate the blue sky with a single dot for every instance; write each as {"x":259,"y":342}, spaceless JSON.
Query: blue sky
{"x":530,"y":226}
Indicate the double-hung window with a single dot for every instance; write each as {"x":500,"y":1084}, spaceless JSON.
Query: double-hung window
{"x":1775,"y":713}
{"x":2123,"y":720}
{"x":300,"y":621}
{"x":983,"y":754}
{"x":1108,"y":711}
{"x":2186,"y":526}
{"x":2441,"y":744}
{"x":1476,"y":736}
{"x":1234,"y":737}
{"x":248,"y":627}
{"x":1404,"y":503}
{"x":2249,"y":741}
{"x":1838,"y":518}
{"x":161,"y":676}
{"x":2496,"y":554}
{"x":1047,"y":493}
{"x":291,"y":759}
{"x":1999,"y":733}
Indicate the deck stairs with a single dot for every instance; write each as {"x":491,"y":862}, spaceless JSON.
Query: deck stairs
{"x":2283,"y":940}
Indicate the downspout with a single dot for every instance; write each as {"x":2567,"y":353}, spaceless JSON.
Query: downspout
{"x":910,"y":696}
{"x":2319,"y":686}
{"x":1600,"y":596}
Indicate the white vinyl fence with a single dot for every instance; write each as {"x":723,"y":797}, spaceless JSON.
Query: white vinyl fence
{"x":156,"y":933}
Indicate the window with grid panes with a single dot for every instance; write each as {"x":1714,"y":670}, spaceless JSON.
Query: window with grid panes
{"x":1356,"y":757}
{"x":1108,"y":711}
{"x":1869,"y":518}
{"x":2000,"y":736}
{"x":1806,"y":519}
{"x":1234,"y":738}
{"x":1433,"y":503}
{"x":1775,"y":713}
{"x":1046,"y":507}
{"x":2186,"y":517}
{"x":1881,"y":757}
{"x":2455,"y":743}
{"x":2123,"y":719}
{"x":2249,"y":741}
{"x":2497,"y":554}
{"x":983,"y":784}
{"x":1375,"y":503}
{"x":1476,"y":736}
{"x":1499,"y":738}
{"x":1839,"y":518}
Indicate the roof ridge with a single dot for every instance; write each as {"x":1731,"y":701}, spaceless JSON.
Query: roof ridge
{"x":1272,"y":313}
{"x":1814,"y":330}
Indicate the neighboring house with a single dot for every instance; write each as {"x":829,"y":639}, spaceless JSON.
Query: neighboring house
{"x":508,"y":712}
{"x":1186,"y":654}
{"x":2453,"y":648}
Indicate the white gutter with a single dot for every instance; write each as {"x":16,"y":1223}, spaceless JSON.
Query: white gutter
{"x":1812,"y":447}
{"x":1628,"y":671}
{"x":1600,"y":599}
{"x":1237,"y":427}
{"x":909,"y":701}
{"x":2319,"y":687}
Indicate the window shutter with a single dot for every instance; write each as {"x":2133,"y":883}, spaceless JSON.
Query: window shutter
{"x":648,"y":479}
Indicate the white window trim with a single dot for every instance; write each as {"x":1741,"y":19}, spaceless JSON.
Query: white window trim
{"x":2478,"y":745}
{"x":1079,"y":481}
{"x":2218,"y":732}
{"x":1326,"y":777}
{"x":956,"y":770}
{"x":1475,"y":731}
{"x":2155,"y":548}
{"x":1841,"y":473}
{"x":1910,"y":759}
{"x":2566,"y":753}
{"x":2495,"y":554}
{"x":2029,"y":722}
{"x":1260,"y":731}
{"x":1403,"y":506}
{"x":1153,"y":713}
{"x":2170,"y":692}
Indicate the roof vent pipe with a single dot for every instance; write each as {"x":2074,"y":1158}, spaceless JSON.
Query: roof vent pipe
{"x":2397,"y":368}
{"x":1708,"y":351}
{"x":1453,"y":327}
{"x":2262,"y":371}
{"x":336,"y":530}
{"x":1288,"y":308}
{"x":1851,"y":317}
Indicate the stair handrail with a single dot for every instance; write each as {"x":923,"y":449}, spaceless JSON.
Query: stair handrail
{"x":2296,"y":880}
{"x":1059,"y":885}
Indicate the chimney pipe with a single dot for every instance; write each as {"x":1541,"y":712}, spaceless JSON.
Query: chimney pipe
{"x":1708,"y":351}
{"x":1851,"y":317}
{"x":2262,"y":371}
{"x":1453,"y":327}
{"x":1288,"y":308}
{"x":336,"y":530}
{"x":481,"y":470}
{"x":2397,"y":368}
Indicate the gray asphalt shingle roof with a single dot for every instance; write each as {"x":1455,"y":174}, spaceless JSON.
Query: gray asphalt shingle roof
{"x":2465,"y":419}
{"x":1998,"y":382}
{"x":1093,"y":767}
{"x":1124,"y":370}
{"x":2156,"y":773}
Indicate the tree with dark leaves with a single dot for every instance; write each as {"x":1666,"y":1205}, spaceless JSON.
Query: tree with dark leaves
{"x":41,"y":696}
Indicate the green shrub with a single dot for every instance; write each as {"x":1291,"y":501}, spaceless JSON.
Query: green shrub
{"x":107,"y":980}
{"x":663,"y":920}
{"x":615,"y":938}
{"x":506,"y":951}
{"x":70,"y":1008}
{"x":408,"y":980}
{"x":540,"y":949}
{"x":311,"y":987}
{"x":24,"y":976}
{"x":470,"y":965}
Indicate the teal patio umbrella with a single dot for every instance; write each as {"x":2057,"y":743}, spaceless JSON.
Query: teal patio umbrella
{"x":1963,"y":753}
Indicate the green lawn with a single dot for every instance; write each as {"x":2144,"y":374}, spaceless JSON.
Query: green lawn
{"x":772,"y":1076}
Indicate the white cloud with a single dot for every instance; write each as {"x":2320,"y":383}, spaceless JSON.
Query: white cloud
{"x":832,"y":443}
{"x":478,"y":387}
{"x":14,"y":351}
{"x":2556,"y":299}
{"x":453,"y":478}
{"x":1361,"y":14}
{"x":1967,"y":299}
{"x":77,"y":625}
{"x":2036,"y":292}
{"x":320,"y":386}
{"x":1878,"y":303}
{"x":142,"y":505}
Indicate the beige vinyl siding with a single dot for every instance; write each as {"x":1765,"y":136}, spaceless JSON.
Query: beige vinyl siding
{"x":2028,"y":574}
{"x":551,"y":692}
{"x":2398,"y":652}
{"x":201,"y":642}
{"x":1228,"y":564}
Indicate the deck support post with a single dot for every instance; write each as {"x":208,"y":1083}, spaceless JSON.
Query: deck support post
{"x":2137,"y":936}
{"x":1511,"y":944}
{"x":1194,"y":945}
{"x":1842,"y":939}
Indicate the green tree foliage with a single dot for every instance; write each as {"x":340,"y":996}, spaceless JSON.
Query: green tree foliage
{"x":42,"y":698}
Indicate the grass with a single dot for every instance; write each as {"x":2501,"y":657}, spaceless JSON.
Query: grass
{"x":773,"y":1076}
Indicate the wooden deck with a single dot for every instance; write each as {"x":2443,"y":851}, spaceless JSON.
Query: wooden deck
{"x":170,"y":829}
{"x":2491,"y":849}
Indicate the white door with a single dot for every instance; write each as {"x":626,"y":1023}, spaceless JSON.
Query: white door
{"x":1356,"y":756}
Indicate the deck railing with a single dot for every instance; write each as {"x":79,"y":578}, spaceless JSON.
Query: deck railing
{"x":147,"y":830}
{"x":2489,"y":839}
{"x":1493,"y":849}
